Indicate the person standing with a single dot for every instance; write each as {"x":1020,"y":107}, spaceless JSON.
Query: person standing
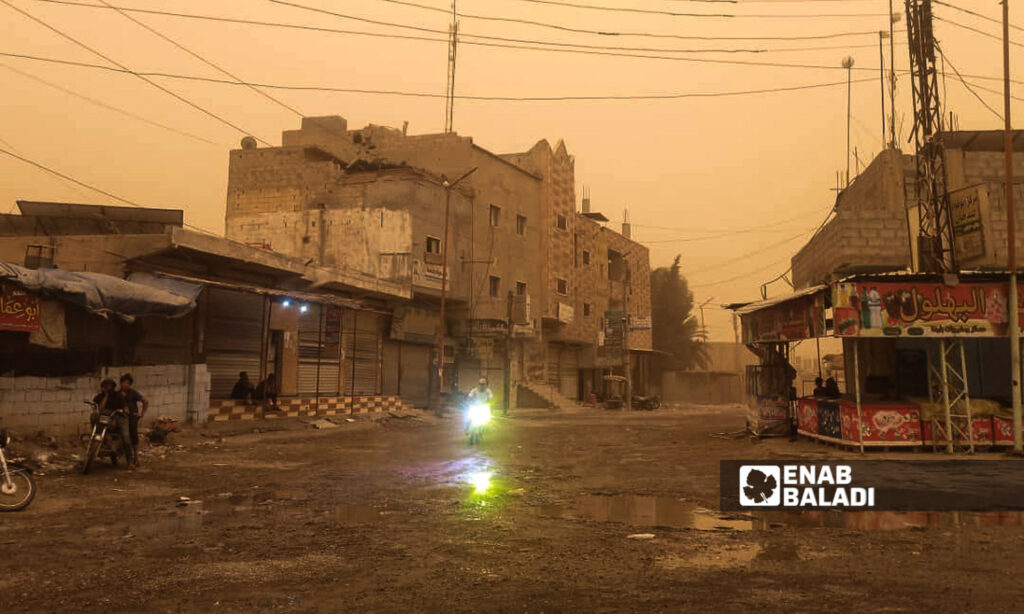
{"x":137,"y":406}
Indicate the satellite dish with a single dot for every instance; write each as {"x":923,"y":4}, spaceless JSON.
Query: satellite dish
{"x":249,"y":143}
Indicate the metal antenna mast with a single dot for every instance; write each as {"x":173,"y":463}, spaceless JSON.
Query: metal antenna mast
{"x":449,"y":100}
{"x":936,"y":247}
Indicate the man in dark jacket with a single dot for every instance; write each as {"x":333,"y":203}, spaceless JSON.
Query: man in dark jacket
{"x":111,"y":402}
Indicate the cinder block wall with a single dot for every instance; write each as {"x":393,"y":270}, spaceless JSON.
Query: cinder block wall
{"x":56,"y":404}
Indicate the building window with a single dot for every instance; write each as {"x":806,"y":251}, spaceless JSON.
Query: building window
{"x":433,"y":245}
{"x":586,"y":258}
{"x":560,"y":222}
{"x":562,"y":287}
{"x":495,"y":215}
{"x":520,"y":225}
{"x":495,"y":286}
{"x":521,"y":288}
{"x":586,"y":309}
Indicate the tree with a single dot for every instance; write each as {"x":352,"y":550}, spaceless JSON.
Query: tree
{"x":675,"y":332}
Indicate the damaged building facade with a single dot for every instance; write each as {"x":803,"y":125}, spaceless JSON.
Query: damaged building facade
{"x":538,"y":293}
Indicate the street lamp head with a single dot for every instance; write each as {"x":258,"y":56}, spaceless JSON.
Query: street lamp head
{"x":883,"y":34}
{"x":848,"y":62}
{"x":896,"y":17}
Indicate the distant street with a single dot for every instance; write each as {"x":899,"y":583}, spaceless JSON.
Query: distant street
{"x":382,"y":516}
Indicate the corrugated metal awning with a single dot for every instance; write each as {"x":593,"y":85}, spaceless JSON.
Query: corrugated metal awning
{"x":759,"y":305}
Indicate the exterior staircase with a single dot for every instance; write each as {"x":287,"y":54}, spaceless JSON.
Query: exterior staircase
{"x":535,"y":394}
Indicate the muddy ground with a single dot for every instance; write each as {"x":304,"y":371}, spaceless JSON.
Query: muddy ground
{"x":379,"y":516}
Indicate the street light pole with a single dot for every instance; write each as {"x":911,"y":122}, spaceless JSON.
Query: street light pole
{"x":1011,"y":245}
{"x":893,"y":20}
{"x":448,"y":187}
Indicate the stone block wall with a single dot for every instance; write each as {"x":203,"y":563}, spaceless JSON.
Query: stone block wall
{"x":56,"y":404}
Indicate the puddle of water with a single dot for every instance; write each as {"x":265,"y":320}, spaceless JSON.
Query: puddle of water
{"x":648,"y":511}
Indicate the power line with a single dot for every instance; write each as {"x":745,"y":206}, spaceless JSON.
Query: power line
{"x":755,"y":252}
{"x":610,"y":33}
{"x":975,"y":14}
{"x":327,"y":30}
{"x":68,"y":178}
{"x":965,"y":84}
{"x":126,"y":69}
{"x":581,"y":51}
{"x":622,"y":9}
{"x":109,"y":107}
{"x":199,"y":57}
{"x":311,"y":88}
{"x":973,"y":29}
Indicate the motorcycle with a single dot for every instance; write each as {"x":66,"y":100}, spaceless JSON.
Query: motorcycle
{"x":646,"y":403}
{"x":478,"y":414}
{"x":103,"y":442}
{"x":17,"y":486}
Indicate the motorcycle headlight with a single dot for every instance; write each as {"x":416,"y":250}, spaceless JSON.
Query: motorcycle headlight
{"x":479,"y":414}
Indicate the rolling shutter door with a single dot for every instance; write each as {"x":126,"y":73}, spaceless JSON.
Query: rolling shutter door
{"x":234,"y":335}
{"x":553,"y":366}
{"x":392,"y":358}
{"x":416,"y":368}
{"x":569,"y":373}
{"x":319,"y":351}
{"x":365,"y":354}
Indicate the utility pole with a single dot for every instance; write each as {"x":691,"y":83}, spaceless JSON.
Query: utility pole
{"x":508,"y":355}
{"x":848,"y":65}
{"x":626,"y":371}
{"x":882,"y":34}
{"x":448,"y":187}
{"x":703,"y":328}
{"x":1011,"y":246}
{"x":894,"y":18}
{"x":449,"y":98}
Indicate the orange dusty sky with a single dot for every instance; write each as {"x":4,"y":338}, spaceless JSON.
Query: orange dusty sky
{"x":703,"y":177}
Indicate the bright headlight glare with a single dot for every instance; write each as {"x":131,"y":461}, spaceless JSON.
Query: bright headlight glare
{"x":479,"y":414}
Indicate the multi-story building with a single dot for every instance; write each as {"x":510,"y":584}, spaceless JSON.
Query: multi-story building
{"x":537,"y":290}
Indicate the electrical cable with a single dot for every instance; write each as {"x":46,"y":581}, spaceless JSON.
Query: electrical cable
{"x":109,"y":107}
{"x":975,"y":14}
{"x":128,"y":70}
{"x":967,"y":85}
{"x":327,"y":30}
{"x":973,"y":29}
{"x":435,"y":95}
{"x":622,"y":9}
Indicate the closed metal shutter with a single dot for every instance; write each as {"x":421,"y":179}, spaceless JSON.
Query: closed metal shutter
{"x":364,"y":346}
{"x":389,"y":385}
{"x":416,"y":373}
{"x":553,"y":365}
{"x":568,"y":374}
{"x":319,"y":351}
{"x":234,"y":335}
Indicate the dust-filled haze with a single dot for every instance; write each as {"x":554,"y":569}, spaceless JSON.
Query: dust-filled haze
{"x":734,"y":184}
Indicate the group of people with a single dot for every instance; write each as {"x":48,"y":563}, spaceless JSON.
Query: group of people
{"x":826,"y":389}
{"x":266,"y":390}
{"x":127,"y":406}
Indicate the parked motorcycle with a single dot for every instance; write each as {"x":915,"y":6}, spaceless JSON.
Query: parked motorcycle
{"x":105,"y":440}
{"x":17,"y":486}
{"x":646,"y":403}
{"x":477,"y":416}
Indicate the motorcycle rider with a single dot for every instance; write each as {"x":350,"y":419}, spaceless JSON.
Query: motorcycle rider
{"x":482,"y":392}
{"x":108,"y":401}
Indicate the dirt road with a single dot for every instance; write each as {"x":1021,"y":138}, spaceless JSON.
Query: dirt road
{"x":382,"y":517}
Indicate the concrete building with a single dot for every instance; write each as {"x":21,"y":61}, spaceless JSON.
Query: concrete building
{"x":533,"y":283}
{"x":875,"y":226}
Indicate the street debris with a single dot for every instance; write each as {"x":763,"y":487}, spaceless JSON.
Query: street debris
{"x":322,"y":424}
{"x":641,"y":536}
{"x":162,"y":427}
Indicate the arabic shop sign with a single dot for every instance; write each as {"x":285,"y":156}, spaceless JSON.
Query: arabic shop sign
{"x":968,"y":207}
{"x":868,"y":309}
{"x":19,"y":310}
